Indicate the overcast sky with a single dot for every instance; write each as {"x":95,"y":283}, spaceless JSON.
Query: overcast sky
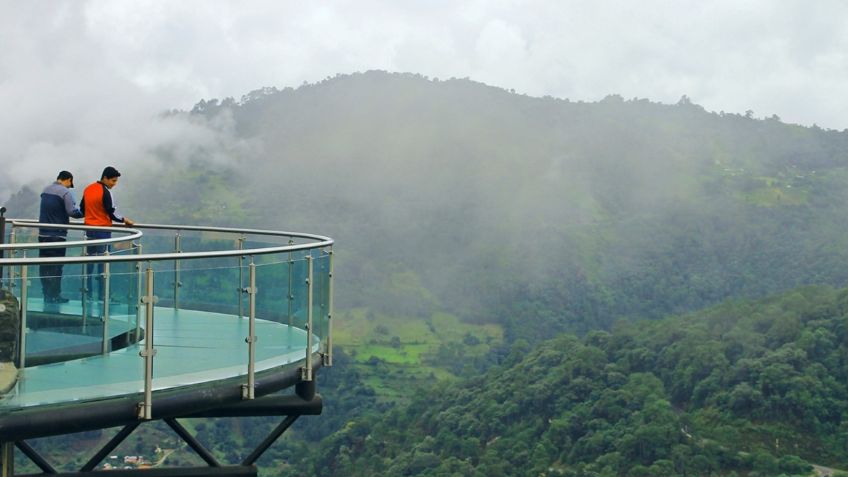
{"x":82,"y":81}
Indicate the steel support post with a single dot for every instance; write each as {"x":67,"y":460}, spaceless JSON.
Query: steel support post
{"x":35,"y":457}
{"x":177,"y":283}
{"x":192,"y":442}
{"x":12,"y":255}
{"x":138,"y":296}
{"x":307,"y":370}
{"x":248,"y":389}
{"x":107,"y":298}
{"x":291,"y":285}
{"x":241,"y":277}
{"x":24,"y":292}
{"x":328,"y":361}
{"x":84,"y":287}
{"x":2,"y":239}
{"x":7,"y":459}
{"x":146,"y":407}
{"x":113,"y":443}
{"x":265,"y":444}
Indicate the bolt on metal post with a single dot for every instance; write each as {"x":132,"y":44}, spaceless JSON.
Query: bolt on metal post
{"x":307,"y":370}
{"x":248,"y":389}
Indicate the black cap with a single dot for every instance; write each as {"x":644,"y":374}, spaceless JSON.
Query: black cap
{"x":110,"y":173}
{"x":65,"y":175}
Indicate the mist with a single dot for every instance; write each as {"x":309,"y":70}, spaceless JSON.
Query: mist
{"x":86,"y":83}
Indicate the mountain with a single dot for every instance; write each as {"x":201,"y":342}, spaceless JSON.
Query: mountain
{"x":517,"y":210}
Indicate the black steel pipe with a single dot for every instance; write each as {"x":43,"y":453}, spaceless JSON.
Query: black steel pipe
{"x":66,"y":419}
{"x":121,"y":436}
{"x":274,"y":405}
{"x":35,"y":457}
{"x":272,"y":437}
{"x":193,"y":443}
{"x":227,"y":471}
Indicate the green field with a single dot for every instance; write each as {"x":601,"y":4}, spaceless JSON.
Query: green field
{"x":400,"y":354}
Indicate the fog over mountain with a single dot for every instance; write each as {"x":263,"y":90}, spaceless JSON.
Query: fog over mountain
{"x":487,"y":199}
{"x":86,"y":81}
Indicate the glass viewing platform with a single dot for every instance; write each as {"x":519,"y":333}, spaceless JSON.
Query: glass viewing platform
{"x":168,"y":320}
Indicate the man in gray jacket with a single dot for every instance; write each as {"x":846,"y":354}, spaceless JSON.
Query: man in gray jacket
{"x":57,"y":206}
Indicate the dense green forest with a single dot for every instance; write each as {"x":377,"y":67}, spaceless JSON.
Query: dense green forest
{"x":743,"y":388}
{"x":538,"y":286}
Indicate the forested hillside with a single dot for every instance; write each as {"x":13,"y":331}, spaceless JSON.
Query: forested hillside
{"x":744,"y":388}
{"x":513,"y":210}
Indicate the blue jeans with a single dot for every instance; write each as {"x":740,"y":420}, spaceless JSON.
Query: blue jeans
{"x":90,"y":268}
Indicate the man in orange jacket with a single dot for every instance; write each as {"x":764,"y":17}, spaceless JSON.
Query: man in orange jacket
{"x":99,"y":209}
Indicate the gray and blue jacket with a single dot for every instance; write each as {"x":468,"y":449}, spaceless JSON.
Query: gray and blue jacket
{"x":57,"y":206}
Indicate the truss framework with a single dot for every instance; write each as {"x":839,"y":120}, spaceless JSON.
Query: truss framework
{"x":305,"y":402}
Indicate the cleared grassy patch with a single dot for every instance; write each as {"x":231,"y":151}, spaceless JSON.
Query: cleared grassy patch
{"x":398,"y":355}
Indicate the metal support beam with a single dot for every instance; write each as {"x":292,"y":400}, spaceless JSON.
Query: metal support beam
{"x":272,"y":405}
{"x":248,"y":389}
{"x":138,"y":296}
{"x":193,"y":443}
{"x":265,"y":444}
{"x":146,"y":408}
{"x":224,"y":471}
{"x":328,"y":361}
{"x":2,"y":239}
{"x":307,"y":369}
{"x":121,"y":436}
{"x":22,"y":339}
{"x":291,"y":285}
{"x":107,"y":298}
{"x":241,"y":277}
{"x":7,"y":459}
{"x":177,"y":283}
{"x":35,"y":457}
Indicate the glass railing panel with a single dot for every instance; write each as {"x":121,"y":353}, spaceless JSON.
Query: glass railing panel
{"x":275,"y":284}
{"x":300,"y":291}
{"x":320,"y":296}
{"x":273,"y":287}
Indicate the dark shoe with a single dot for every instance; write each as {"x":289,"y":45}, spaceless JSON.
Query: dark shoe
{"x":60,"y":299}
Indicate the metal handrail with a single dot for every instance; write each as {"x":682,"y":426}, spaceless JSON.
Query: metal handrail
{"x":320,"y":242}
{"x":133,"y":234}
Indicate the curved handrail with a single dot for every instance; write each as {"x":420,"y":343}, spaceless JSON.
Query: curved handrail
{"x":133,"y":234}
{"x":320,"y":242}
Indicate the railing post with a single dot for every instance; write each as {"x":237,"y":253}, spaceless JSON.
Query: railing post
{"x":7,"y":459}
{"x":291,"y":285}
{"x":177,"y":283}
{"x":248,"y":390}
{"x":306,"y":374}
{"x":145,"y":409}
{"x":138,"y":296}
{"x":12,"y":255}
{"x":2,"y":239}
{"x":241,"y":277}
{"x":329,"y":356}
{"x":84,"y":287}
{"x":107,"y":298}
{"x":24,"y":292}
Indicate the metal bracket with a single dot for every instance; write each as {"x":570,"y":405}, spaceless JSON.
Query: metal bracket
{"x":145,"y":300}
{"x":144,"y":353}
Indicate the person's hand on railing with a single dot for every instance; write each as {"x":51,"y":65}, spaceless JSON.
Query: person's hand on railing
{"x":128,"y":222}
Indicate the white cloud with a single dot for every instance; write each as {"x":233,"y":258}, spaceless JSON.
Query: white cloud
{"x":83,"y":78}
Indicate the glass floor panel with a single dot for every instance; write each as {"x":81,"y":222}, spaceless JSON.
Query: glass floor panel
{"x":192,"y":347}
